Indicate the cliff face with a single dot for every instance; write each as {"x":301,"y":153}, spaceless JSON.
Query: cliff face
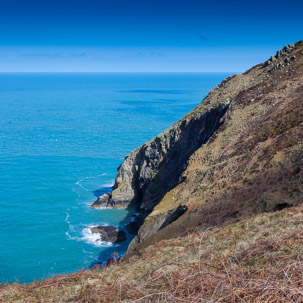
{"x":151,"y":170}
{"x":237,"y":153}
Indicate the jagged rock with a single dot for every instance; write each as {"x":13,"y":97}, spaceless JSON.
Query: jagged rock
{"x":287,"y":49}
{"x":293,"y":58}
{"x":273,"y":58}
{"x":102,"y":201}
{"x":110,"y":233}
{"x":270,"y":61}
{"x":147,"y":173}
{"x":276,"y":62}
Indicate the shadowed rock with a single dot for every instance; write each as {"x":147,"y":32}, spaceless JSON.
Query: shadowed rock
{"x":134,"y":225}
{"x":110,"y":233}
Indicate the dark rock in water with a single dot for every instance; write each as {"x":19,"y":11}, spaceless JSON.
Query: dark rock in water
{"x":107,"y":201}
{"x":102,"y":201}
{"x":110,"y":233}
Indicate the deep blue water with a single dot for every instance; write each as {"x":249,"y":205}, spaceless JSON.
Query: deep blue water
{"x":62,"y":137}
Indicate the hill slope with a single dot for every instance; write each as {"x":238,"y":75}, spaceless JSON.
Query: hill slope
{"x":237,"y":153}
{"x":219,"y":194}
{"x":253,"y":260}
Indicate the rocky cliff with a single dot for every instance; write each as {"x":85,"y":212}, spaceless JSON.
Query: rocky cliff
{"x":238,"y":152}
{"x":151,"y":170}
{"x":216,"y":192}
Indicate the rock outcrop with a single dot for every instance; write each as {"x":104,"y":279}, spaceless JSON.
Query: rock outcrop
{"x":151,"y":170}
{"x":109,"y":234}
{"x":238,"y":152}
{"x":102,"y":201}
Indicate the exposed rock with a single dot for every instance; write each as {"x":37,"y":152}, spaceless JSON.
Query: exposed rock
{"x":174,"y":215}
{"x":110,"y":233}
{"x":107,"y":201}
{"x":161,"y":221}
{"x":102,"y":201}
{"x":281,"y":59}
{"x":287,"y":49}
{"x":149,"y":171}
{"x":222,"y":160}
{"x":270,"y":61}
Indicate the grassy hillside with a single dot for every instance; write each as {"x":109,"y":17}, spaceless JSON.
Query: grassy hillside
{"x":254,"y":260}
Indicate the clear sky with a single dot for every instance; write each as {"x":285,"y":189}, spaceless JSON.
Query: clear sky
{"x":144,"y":35}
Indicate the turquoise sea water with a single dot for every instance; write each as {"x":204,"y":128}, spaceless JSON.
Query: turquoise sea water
{"x":62,"y":137}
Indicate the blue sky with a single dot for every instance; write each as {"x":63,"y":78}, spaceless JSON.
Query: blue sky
{"x":145,"y":35}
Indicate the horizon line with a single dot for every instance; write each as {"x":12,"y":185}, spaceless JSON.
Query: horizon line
{"x":116,"y":72}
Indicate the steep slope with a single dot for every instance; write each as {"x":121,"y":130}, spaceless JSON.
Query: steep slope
{"x":254,"y":260}
{"x":237,"y":153}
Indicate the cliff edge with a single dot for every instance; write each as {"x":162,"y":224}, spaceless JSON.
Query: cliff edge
{"x":237,"y":153}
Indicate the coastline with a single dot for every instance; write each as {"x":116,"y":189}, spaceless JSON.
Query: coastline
{"x":234,"y":213}
{"x":49,"y":146}
{"x":155,"y":173}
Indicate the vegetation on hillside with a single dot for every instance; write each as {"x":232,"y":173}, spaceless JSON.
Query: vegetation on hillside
{"x":240,"y":237}
{"x":254,"y":260}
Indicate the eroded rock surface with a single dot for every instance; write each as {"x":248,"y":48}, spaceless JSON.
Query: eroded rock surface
{"x":151,"y":170}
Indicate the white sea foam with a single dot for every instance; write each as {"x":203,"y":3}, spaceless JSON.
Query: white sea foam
{"x":79,"y":182}
{"x":93,"y":238}
{"x":67,"y":217}
{"x":87,"y":236}
{"x":69,"y":237}
{"x":109,"y":207}
{"x":108,"y":184}
{"x":88,"y":203}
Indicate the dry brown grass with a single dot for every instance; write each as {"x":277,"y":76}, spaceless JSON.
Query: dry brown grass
{"x":254,"y":260}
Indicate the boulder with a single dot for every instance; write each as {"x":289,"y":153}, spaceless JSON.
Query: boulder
{"x":109,"y":233}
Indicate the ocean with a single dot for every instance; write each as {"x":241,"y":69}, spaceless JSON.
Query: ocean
{"x":62,"y":137}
